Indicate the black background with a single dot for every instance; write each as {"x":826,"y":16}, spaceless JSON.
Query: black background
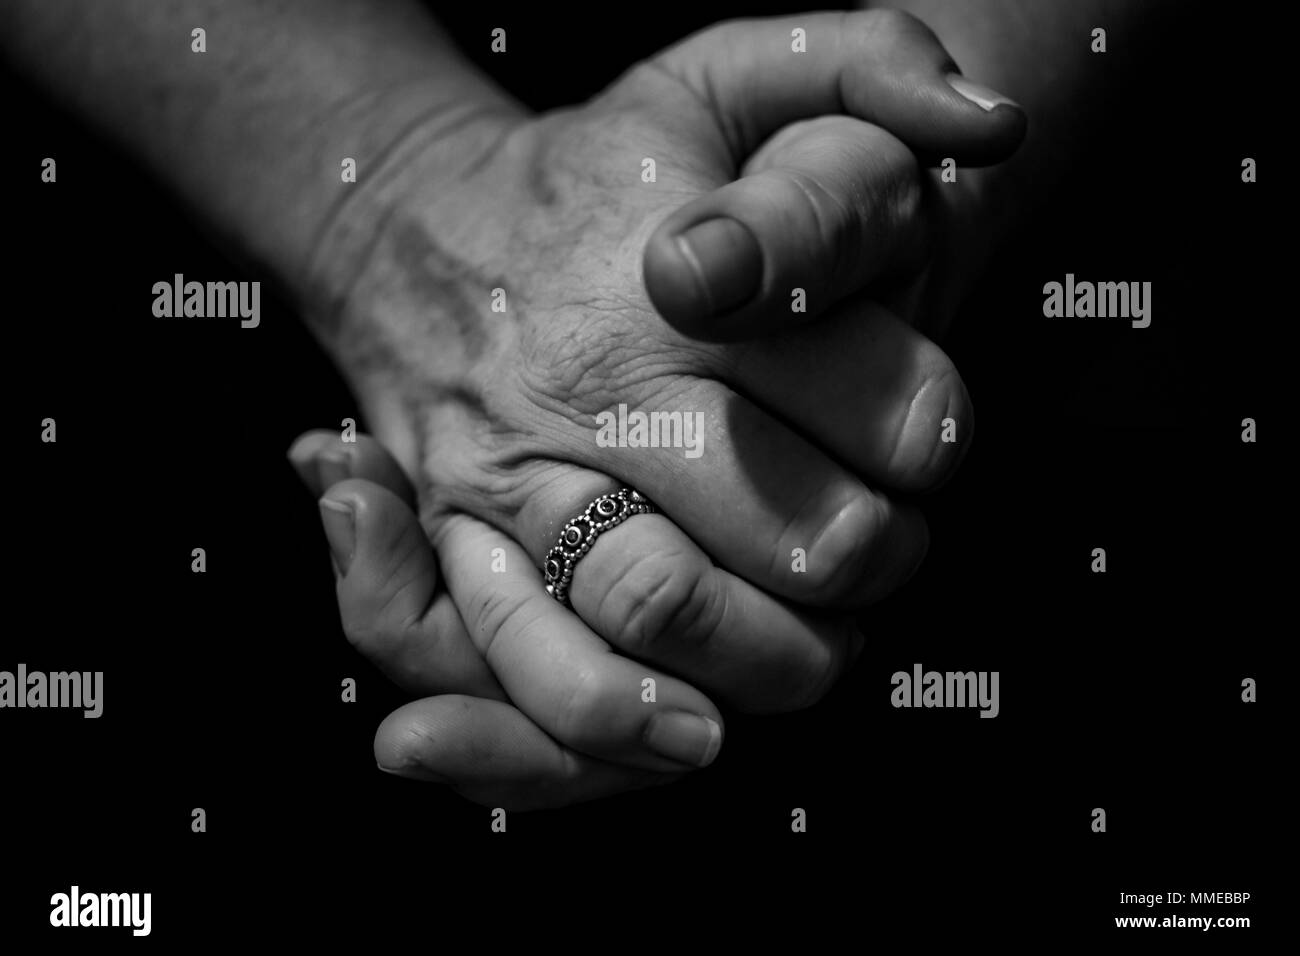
{"x":1119,"y":690}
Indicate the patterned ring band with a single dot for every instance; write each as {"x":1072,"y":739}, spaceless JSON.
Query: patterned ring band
{"x":580,"y":534}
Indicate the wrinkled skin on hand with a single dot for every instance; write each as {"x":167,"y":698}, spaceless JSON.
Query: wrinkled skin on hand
{"x":549,"y":216}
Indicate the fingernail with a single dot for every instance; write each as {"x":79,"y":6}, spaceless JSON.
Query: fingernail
{"x":727,"y":264}
{"x":843,"y":541}
{"x":986,"y":99}
{"x":927,"y":447}
{"x":686,"y":738}
{"x":305,"y":465}
{"x":333,"y":467}
{"x":415,"y":773}
{"x":340,"y":531}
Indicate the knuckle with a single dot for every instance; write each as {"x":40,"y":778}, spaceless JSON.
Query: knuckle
{"x":581,"y":364}
{"x":374,"y":600}
{"x":858,"y":195}
{"x":824,"y":213}
{"x":901,"y":39}
{"x":705,"y":44}
{"x":494,"y":610}
{"x":900,"y":201}
{"x":663,"y":596}
{"x":570,"y":381}
{"x":361,"y":633}
{"x":842,"y":223}
{"x":585,"y":710}
{"x":885,"y":25}
{"x":401,"y":573}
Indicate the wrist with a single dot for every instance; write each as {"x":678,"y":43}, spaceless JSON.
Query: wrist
{"x":425,"y":145}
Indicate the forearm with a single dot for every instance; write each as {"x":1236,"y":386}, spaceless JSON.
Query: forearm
{"x":253,"y":132}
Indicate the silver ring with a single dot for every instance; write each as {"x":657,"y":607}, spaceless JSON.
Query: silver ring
{"x":580,"y":533}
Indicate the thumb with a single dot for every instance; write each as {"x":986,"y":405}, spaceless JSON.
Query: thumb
{"x":825,"y":208}
{"x":390,"y":605}
{"x":883,"y":66}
